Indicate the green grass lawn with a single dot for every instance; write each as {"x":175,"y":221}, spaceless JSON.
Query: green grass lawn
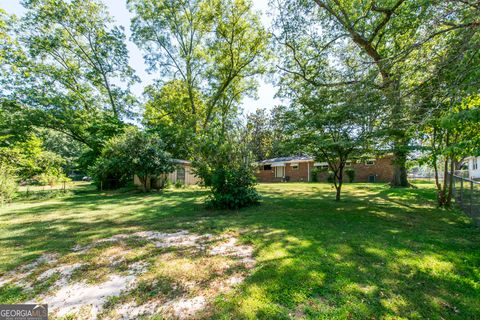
{"x":380,"y":253}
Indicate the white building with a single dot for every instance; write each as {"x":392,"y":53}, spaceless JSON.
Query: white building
{"x":473,"y":167}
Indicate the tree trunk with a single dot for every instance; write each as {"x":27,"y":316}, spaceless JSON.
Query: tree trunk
{"x":448,"y":200}
{"x":398,"y":133}
{"x":400,"y":178}
{"x":338,"y":176}
{"x":339,"y":191}
{"x":437,"y":183}
{"x":144,"y":183}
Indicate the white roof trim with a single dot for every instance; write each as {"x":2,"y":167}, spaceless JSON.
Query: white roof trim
{"x":318,"y":164}
{"x":278,"y":164}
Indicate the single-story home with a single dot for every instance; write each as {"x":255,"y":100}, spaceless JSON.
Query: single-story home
{"x":300,"y":169}
{"x":183,"y":173}
{"x":473,"y":164}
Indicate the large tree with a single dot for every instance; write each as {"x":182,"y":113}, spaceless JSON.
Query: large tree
{"x":377,"y":39}
{"x":447,"y":107}
{"x":213,"y":48}
{"x":70,"y":71}
{"x":258,"y":126}
{"x":168,"y":113}
{"x":271,"y":133}
{"x":334,"y":125}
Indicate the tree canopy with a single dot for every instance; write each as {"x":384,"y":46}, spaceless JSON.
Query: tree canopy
{"x":384,"y":44}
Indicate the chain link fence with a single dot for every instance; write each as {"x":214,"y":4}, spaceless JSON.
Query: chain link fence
{"x":467,"y":196}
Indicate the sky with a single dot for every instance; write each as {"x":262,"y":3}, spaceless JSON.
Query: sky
{"x":118,"y":10}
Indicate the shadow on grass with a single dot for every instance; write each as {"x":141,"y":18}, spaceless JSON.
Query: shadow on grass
{"x":380,"y":252}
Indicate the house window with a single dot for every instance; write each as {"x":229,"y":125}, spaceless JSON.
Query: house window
{"x":370,"y":162}
{"x":321,"y":165}
{"x":267,"y":167}
{"x":294,"y":166}
{"x":475,"y":164}
{"x":372,"y":178}
{"x":348,"y":164}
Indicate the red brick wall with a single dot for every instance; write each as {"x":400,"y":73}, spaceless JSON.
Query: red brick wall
{"x":301,"y":174}
{"x":382,"y":170}
{"x":266,"y":176}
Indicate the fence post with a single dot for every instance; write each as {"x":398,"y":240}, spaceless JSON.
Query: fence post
{"x":471,"y":197}
{"x":454,"y":189}
{"x":461,"y":192}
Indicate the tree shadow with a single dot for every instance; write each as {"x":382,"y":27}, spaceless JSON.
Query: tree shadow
{"x":379,"y":253}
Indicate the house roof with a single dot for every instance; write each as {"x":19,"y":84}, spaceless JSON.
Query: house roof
{"x":179,"y":161}
{"x":286,"y":159}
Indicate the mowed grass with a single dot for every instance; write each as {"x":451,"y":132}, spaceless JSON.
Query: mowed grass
{"x":380,"y":253}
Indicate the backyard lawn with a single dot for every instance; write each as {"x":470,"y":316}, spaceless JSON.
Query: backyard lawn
{"x":380,"y":253}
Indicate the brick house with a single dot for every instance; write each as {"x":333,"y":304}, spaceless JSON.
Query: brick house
{"x":299,"y":169}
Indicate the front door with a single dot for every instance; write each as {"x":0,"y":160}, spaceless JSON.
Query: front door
{"x":371,"y":178}
{"x":279,"y":172}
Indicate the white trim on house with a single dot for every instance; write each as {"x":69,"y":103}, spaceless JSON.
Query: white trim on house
{"x":308,"y":171}
{"x":473,"y":167}
{"x":278,"y":164}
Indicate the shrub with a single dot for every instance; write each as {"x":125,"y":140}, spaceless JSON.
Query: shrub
{"x":179,"y":184}
{"x":131,"y":153}
{"x":106,"y":174}
{"x":167,"y":183}
{"x":314,"y":174}
{"x":350,"y":174}
{"x":233,"y":188}
{"x":8,"y":185}
{"x":225,"y":165}
{"x":45,"y":195}
{"x":50,"y":179}
{"x":330,"y":177}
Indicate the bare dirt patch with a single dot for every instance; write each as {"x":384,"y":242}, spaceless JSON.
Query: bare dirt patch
{"x":19,"y":275}
{"x":173,"y":275}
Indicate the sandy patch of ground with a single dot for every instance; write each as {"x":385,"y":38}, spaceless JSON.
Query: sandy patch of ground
{"x":184,"y":308}
{"x":65,"y":272}
{"x":230,"y":248}
{"x":183,"y":282}
{"x":73,"y":297}
{"x":162,"y":240}
{"x":18,"y":276}
{"x":131,"y":311}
